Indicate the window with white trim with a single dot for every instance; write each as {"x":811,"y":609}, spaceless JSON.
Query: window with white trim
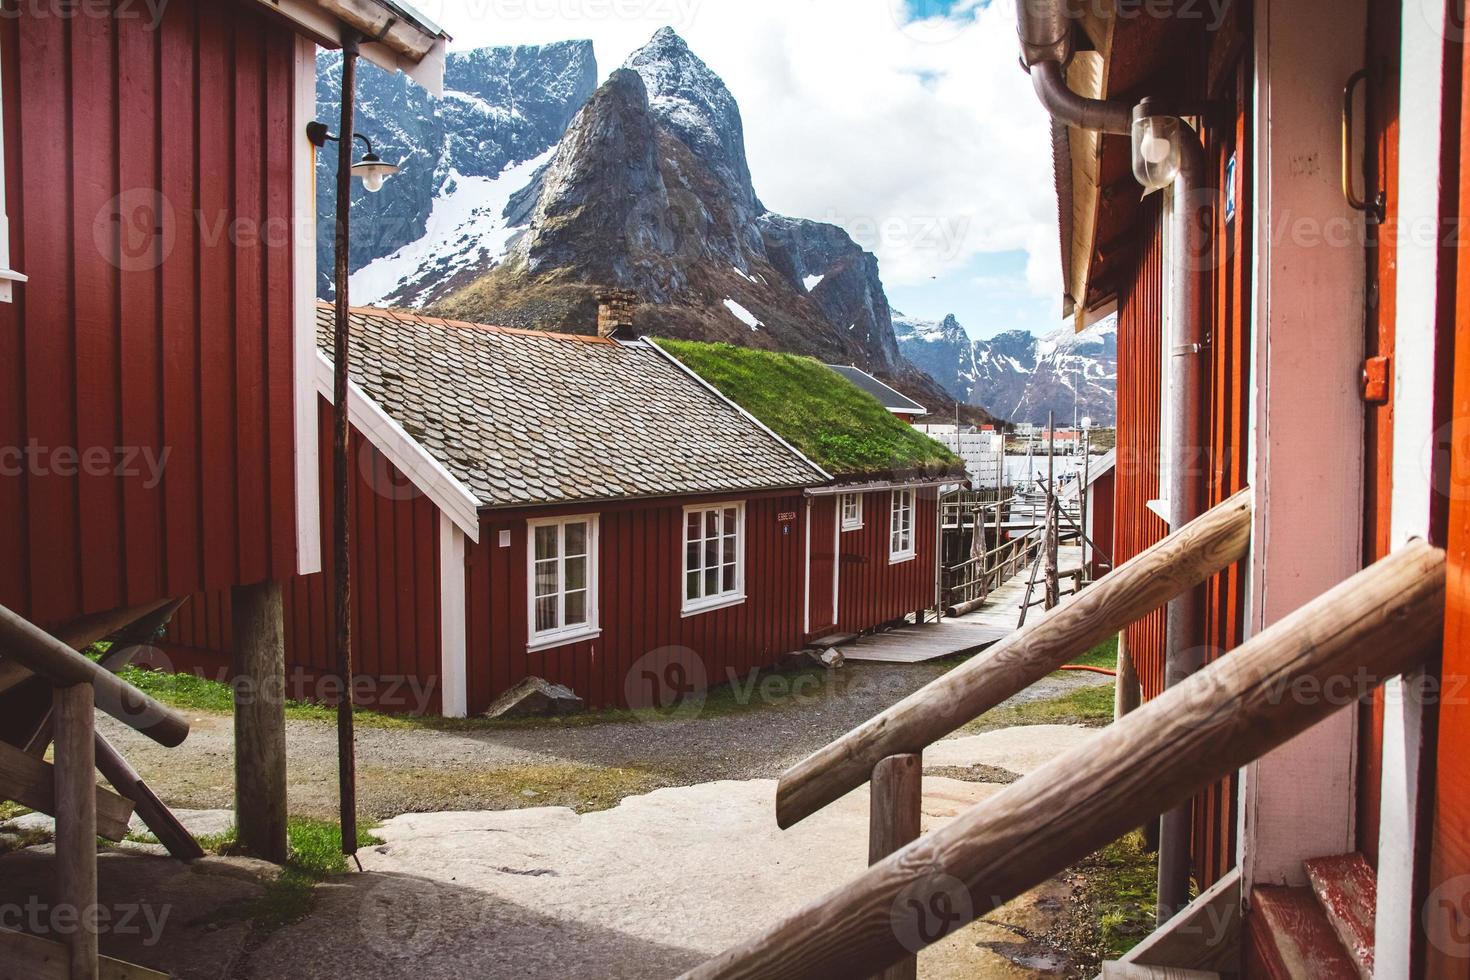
{"x":714,"y":556}
{"x":901,"y":526}
{"x":852,"y":511}
{"x":563,"y":580}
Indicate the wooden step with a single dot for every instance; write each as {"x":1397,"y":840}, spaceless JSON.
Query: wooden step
{"x":1288,"y":937}
{"x":1347,"y":889}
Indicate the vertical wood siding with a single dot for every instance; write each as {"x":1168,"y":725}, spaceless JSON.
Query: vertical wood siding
{"x":824,"y":518}
{"x":1140,"y":357}
{"x":871,"y":590}
{"x":148,"y":183}
{"x":395,"y":580}
{"x":645,"y":639}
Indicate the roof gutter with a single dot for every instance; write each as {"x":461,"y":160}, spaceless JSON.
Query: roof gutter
{"x":1045,"y":31}
{"x":841,"y":489}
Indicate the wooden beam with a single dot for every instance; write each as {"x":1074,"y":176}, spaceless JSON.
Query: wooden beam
{"x":260,"y":720}
{"x":31,"y":782}
{"x":76,"y":825}
{"x":165,"y":826}
{"x":47,"y":656}
{"x":895,"y":808}
{"x":26,"y":957}
{"x":1312,"y":664}
{"x":1180,"y":562}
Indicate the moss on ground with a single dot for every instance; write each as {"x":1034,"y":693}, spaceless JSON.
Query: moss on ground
{"x":1121,"y":894}
{"x":1091,"y":705}
{"x":835,"y":423}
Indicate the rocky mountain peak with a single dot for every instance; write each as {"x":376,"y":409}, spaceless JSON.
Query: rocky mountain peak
{"x":697,"y":106}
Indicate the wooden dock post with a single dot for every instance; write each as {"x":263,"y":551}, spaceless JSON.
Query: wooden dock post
{"x":1053,"y":588}
{"x":260,"y":720}
{"x":76,"y":825}
{"x":894,"y":810}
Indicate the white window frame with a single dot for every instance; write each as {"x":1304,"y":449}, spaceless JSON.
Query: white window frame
{"x":855,"y":521}
{"x":724,"y":599}
{"x":562,"y":635}
{"x":899,"y":501}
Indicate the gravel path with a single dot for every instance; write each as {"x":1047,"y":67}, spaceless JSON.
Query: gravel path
{"x":585,"y":766}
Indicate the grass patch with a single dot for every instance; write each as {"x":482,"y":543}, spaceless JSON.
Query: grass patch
{"x":1105,"y":654}
{"x":9,"y":810}
{"x":315,"y":854}
{"x":580,"y":787}
{"x":1122,"y":893}
{"x":838,"y":425}
{"x":193,"y":693}
{"x":1091,"y":705}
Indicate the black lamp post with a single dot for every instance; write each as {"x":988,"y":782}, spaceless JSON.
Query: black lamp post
{"x":373,"y":171}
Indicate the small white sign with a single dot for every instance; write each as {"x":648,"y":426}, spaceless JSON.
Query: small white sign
{"x":505,"y":539}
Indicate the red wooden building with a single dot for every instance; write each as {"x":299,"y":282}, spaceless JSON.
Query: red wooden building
{"x":581,"y":509}
{"x":158,"y":422}
{"x":1296,"y":333}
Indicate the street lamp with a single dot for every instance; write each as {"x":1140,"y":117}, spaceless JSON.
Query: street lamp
{"x":372,"y":169}
{"x":1157,"y":155}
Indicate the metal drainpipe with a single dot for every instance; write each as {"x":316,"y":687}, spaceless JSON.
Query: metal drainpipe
{"x":1045,"y":31}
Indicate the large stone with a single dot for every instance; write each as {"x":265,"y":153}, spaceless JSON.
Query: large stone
{"x":535,"y":697}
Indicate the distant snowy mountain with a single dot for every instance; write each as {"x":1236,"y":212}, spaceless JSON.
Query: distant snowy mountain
{"x":464,"y":157}
{"x":1015,"y":375}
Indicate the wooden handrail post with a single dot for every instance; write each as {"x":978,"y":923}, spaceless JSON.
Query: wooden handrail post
{"x":76,"y":826}
{"x":1302,"y":669}
{"x":894,"y":810}
{"x":1181,"y":561}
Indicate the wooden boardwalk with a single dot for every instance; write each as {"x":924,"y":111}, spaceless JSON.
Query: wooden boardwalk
{"x":994,"y":621}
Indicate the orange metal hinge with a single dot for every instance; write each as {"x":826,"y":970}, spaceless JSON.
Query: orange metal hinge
{"x":1376,"y":374}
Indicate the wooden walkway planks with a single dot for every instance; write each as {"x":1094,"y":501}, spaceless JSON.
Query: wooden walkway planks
{"x":994,"y":621}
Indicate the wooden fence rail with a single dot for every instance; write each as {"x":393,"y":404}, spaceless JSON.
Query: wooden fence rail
{"x":1279,"y":683}
{"x":1180,"y":562}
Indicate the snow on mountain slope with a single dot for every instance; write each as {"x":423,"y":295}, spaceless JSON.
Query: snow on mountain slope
{"x":468,"y":225}
{"x":1016,"y":375}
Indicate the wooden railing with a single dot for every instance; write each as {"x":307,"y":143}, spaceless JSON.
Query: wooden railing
{"x":969,"y":583}
{"x":68,"y":790}
{"x":1276,"y":685}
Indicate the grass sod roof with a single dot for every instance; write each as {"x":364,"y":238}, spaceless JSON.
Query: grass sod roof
{"x":840,"y":427}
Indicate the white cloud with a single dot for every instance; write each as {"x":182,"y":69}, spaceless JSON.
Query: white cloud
{"x":922,"y":138}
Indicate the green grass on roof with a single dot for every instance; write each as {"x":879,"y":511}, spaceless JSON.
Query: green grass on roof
{"x":839,"y":426}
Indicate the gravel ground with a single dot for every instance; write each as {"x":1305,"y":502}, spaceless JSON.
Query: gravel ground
{"x":587,"y":766}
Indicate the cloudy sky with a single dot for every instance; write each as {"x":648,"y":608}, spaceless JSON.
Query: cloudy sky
{"x":908,"y":122}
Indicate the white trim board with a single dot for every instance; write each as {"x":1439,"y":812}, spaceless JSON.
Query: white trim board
{"x":453,"y":664}
{"x":303,"y":313}
{"x":414,"y":461}
{"x":1404,"y":716}
{"x":1306,"y":412}
{"x":8,"y":276}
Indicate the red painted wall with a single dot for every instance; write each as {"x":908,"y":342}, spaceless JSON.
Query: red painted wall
{"x":395,"y":581}
{"x":872,"y":591}
{"x":1100,"y":500}
{"x":179,"y":340}
{"x":646,"y":645}
{"x":824,"y":517}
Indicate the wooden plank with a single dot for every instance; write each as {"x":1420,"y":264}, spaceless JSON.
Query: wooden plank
{"x":27,"y":957}
{"x":30,"y":782}
{"x":76,"y":824}
{"x":1287,"y":678}
{"x":894,"y":811}
{"x":160,"y":820}
{"x":1180,"y":562}
{"x":54,"y":660}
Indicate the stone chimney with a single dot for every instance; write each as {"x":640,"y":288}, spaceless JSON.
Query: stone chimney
{"x":615,"y":314}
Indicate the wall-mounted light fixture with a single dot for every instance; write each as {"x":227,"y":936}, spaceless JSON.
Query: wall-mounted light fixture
{"x":372,"y":169}
{"x":1157,"y":155}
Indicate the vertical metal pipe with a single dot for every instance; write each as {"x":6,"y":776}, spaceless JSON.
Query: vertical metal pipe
{"x":1189,"y":225}
{"x":341,"y":535}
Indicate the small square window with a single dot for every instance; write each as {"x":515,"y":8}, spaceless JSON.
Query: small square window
{"x":852,"y":511}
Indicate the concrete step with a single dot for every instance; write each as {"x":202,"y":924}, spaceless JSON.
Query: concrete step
{"x":1288,"y":937}
{"x":1347,"y":889}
